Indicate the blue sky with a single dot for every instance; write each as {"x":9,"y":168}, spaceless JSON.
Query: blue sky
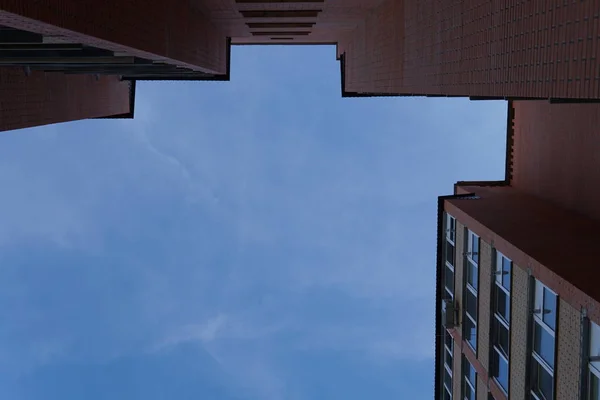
{"x":261,"y":239}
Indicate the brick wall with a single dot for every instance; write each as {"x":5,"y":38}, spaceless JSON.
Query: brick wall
{"x":160,"y":30}
{"x":457,"y":372}
{"x":458,"y":270}
{"x":555,"y":153}
{"x":568,"y":372}
{"x":482,"y":389}
{"x":45,"y":98}
{"x":500,"y":48}
{"x":518,"y":332}
{"x":484,"y":298}
{"x":373,"y":60}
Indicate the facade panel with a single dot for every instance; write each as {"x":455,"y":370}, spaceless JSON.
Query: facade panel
{"x":46,"y":98}
{"x":484,"y":296}
{"x":520,"y":315}
{"x":459,"y":268}
{"x":568,"y":364}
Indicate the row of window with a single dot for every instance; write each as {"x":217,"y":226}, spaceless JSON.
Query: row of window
{"x":544,"y":321}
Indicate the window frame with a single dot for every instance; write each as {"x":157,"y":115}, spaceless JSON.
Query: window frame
{"x":471,"y":273}
{"x":592,"y":365}
{"x":451,"y":240}
{"x":500,"y":321}
{"x":451,"y":229}
{"x":467,"y":367}
{"x":538,"y":318}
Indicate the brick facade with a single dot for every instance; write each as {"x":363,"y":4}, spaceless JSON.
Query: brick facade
{"x":545,"y":133}
{"x":568,"y":371}
{"x":533,"y":49}
{"x":458,"y":270}
{"x":484,"y":298}
{"x":457,"y":372}
{"x":519,"y":336}
{"x":481,"y":389}
{"x":45,"y":98}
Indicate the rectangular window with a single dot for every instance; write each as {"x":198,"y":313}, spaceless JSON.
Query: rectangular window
{"x":449,"y":281}
{"x":470,"y":332}
{"x":450,"y":253}
{"x":469,"y":381}
{"x":544,"y":325}
{"x":501,"y":321}
{"x":472,"y":278}
{"x":593,"y":386}
{"x":473,"y":247}
{"x":450,"y":228}
{"x":448,"y":357}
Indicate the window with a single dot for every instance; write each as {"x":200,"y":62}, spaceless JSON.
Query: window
{"x":472,"y":259}
{"x":501,"y":321}
{"x":450,"y":228}
{"x":593,"y":386}
{"x":470,"y":320}
{"x":448,"y":357}
{"x":469,"y":381}
{"x":449,"y":281}
{"x":450,"y":255}
{"x":544,"y":325}
{"x":473,"y":247}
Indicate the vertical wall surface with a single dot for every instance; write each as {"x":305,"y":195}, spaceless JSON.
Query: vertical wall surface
{"x":568,"y":371}
{"x":458,"y":270}
{"x":45,"y":98}
{"x":484,"y":298}
{"x":519,"y":319}
{"x":552,"y":157}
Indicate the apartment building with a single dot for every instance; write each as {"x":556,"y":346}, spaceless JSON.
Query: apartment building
{"x":518,"y":294}
{"x":74,"y":59}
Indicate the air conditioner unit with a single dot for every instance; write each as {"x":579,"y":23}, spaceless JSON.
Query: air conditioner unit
{"x":448,"y":313}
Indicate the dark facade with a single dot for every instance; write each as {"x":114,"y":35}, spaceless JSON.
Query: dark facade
{"x":534,"y":49}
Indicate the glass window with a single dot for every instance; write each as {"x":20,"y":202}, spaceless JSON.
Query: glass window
{"x":594,"y":387}
{"x":469,"y":392}
{"x":503,"y":268}
{"x":470,"y":380}
{"x":449,"y":280}
{"x":543,"y":344}
{"x":502,"y":337}
{"x":549,"y":314}
{"x":502,"y":303}
{"x":542,"y":382}
{"x":447,"y":379}
{"x":473,"y":246}
{"x":448,"y":349}
{"x":472,"y":274}
{"x":471,"y":304}
{"x":449,"y":253}
{"x":500,"y":369}
{"x":447,"y":395}
{"x":594,"y":366}
{"x":471,"y":333}
{"x":506,"y":268}
{"x":450,"y":228}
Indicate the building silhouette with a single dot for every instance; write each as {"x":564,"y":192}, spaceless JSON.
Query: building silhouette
{"x":63,"y":60}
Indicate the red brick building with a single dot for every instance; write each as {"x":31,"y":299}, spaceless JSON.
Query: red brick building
{"x":495,"y":49}
{"x":518,"y":300}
